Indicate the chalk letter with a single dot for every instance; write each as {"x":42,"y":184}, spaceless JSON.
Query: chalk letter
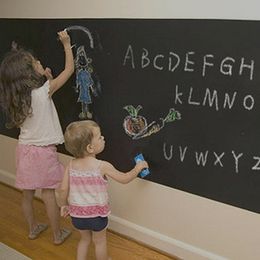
{"x":155,"y":59}
{"x":257,"y":165}
{"x":226,"y":66}
{"x":211,"y":99}
{"x":218,"y":159}
{"x":251,"y":100}
{"x":205,"y":63}
{"x":182,"y":153}
{"x":201,"y":158}
{"x":170,"y":61}
{"x":167,"y":157}
{"x":177,"y":94}
{"x":227,"y":100}
{"x":236,"y":159}
{"x":251,"y":67}
{"x":187,"y":61}
{"x":129,"y":55}
{"x":145,"y":58}
{"x":190,"y":101}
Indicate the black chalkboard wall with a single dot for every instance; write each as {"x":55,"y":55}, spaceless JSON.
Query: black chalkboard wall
{"x":208,"y":70}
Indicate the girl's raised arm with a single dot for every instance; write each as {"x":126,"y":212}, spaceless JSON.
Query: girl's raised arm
{"x":61,"y":79}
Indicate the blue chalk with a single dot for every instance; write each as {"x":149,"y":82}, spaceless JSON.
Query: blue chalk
{"x":144,"y":172}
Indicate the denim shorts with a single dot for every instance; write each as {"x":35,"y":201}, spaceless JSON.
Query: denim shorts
{"x":93,"y":224}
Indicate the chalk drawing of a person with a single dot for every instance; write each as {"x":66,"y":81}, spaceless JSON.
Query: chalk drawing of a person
{"x":84,"y":82}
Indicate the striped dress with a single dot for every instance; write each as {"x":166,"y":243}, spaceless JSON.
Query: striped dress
{"x":88,"y":196}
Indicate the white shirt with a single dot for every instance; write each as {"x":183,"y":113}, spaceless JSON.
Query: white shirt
{"x":43,"y":127}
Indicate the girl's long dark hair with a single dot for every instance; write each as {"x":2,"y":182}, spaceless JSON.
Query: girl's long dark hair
{"x":17,"y":80}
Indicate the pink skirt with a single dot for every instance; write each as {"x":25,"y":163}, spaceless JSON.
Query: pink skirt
{"x":37,"y":167}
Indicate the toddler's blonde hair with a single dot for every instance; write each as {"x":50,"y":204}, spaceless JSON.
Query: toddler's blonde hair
{"x":78,"y":135}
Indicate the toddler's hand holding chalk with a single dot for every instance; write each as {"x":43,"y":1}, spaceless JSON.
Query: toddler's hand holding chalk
{"x":142,"y":165}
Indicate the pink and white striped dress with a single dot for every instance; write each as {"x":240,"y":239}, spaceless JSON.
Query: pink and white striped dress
{"x":88,"y":196}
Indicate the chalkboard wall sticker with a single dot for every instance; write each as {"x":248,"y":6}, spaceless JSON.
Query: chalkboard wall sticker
{"x":210,"y":74}
{"x":136,"y":126}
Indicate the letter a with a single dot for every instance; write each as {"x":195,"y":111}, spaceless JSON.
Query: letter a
{"x":129,"y":56}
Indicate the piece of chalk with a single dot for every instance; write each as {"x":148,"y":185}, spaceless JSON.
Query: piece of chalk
{"x":144,"y":172}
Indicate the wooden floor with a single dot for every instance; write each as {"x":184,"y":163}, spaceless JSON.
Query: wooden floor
{"x":13,"y":233}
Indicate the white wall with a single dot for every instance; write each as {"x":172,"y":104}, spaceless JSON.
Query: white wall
{"x":223,"y":9}
{"x":176,"y":222}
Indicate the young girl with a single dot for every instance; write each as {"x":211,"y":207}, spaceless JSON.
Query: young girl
{"x":26,"y":100}
{"x":84,"y":186}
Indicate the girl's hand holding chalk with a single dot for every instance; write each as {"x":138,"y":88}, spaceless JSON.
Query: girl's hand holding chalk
{"x":65,"y":39}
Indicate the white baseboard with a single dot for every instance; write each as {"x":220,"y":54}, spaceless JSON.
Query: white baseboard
{"x":7,"y":178}
{"x":159,"y":241}
{"x":144,"y":235}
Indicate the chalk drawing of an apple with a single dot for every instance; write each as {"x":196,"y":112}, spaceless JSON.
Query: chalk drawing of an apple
{"x":134,"y":124}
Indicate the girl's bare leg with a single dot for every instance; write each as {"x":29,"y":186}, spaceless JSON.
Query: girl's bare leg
{"x":27,"y":206}
{"x":48,"y":196}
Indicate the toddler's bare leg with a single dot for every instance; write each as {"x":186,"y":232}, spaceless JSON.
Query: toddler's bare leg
{"x":100,"y":241}
{"x":82,"y":250}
